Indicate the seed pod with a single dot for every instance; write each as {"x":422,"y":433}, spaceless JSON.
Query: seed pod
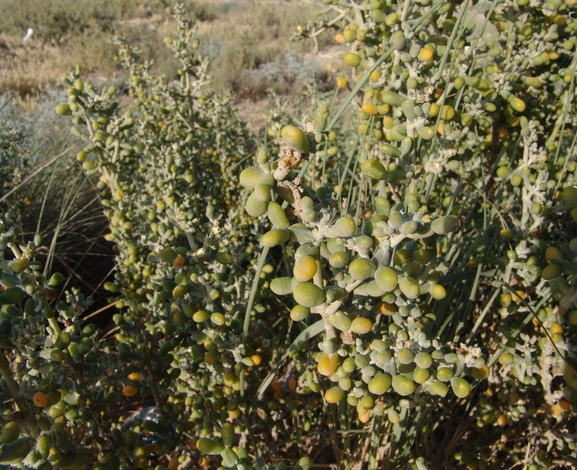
{"x":209,"y":446}
{"x":361,"y":325}
{"x":361,"y":269}
{"x":444,"y":224}
{"x":282,"y":286}
{"x":403,"y":385}
{"x":295,"y":138}
{"x":374,"y":169}
{"x":380,"y":384}
{"x":328,"y":363}
{"x":255,"y":207}
{"x":461,"y":387}
{"x":305,"y":268}
{"x":309,"y":295}
{"x":334,"y":394}
{"x":250,"y":177}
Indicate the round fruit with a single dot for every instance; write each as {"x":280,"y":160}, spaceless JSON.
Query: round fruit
{"x":129,"y":391}
{"x":40,"y":399}
{"x":374,"y":169}
{"x":275,"y":237}
{"x":282,"y":285}
{"x":403,"y":385}
{"x":352,"y":59}
{"x":386,"y":278}
{"x":380,"y":384}
{"x":361,"y":269}
{"x":334,"y":394}
{"x":305,"y":268}
{"x":361,"y":325}
{"x":410,"y":287}
{"x":209,"y":446}
{"x":438,"y":388}
{"x":299,"y":313}
{"x":295,"y":138}
{"x":328,"y":363}
{"x":461,"y":387}
{"x":277,"y":216}
{"x":444,"y":224}
{"x":308,"y":294}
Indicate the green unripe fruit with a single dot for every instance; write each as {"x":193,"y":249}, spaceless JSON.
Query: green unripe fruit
{"x":378,"y":16}
{"x":517,"y":104}
{"x":382,"y":205}
{"x":444,"y":374}
{"x":503,"y":172}
{"x":410,"y":287}
{"x":339,"y":259}
{"x":18,"y":265}
{"x":277,"y":216}
{"x":352,"y":59}
{"x":506,"y":359}
{"x":293,"y":137}
{"x":361,"y":325}
{"x":444,"y":224}
{"x":304,"y":463}
{"x":552,"y":271}
{"x":63,"y":109}
{"x":309,"y":295}
{"x":380,"y":384}
{"x":282,"y":285}
{"x":392,"y":98}
{"x":570,"y":196}
{"x":438,"y":388}
{"x":438,"y":292}
{"x":403,"y":385}
{"x":275,"y":237}
{"x":43,"y":446}
{"x":250,"y":177}
{"x":426,"y":133}
{"x":16,"y":451}
{"x":299,"y":313}
{"x":405,"y":356}
{"x":340,"y":321}
{"x":398,"y":40}
{"x":10,"y":433}
{"x":461,"y":387}
{"x":12,"y":295}
{"x":420,"y":376}
{"x":344,"y":227}
{"x":209,"y":446}
{"x":361,"y":269}
{"x":334,"y":394}
{"x":374,"y":169}
{"x":255,"y":207}
{"x":262,"y":192}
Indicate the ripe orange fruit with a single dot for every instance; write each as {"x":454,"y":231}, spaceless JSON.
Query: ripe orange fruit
{"x":40,"y":399}
{"x":129,"y":391}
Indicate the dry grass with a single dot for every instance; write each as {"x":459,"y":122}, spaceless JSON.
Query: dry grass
{"x":247,"y":39}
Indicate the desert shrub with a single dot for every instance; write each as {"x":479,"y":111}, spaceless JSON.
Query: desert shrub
{"x":401,"y":284}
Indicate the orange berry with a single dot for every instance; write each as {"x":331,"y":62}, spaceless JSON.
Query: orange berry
{"x":502,"y":420}
{"x":276,"y":386}
{"x":292,"y":384}
{"x":178,"y":261}
{"x":256,"y":359}
{"x":129,"y":391}
{"x":135,"y":376}
{"x":40,"y":399}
